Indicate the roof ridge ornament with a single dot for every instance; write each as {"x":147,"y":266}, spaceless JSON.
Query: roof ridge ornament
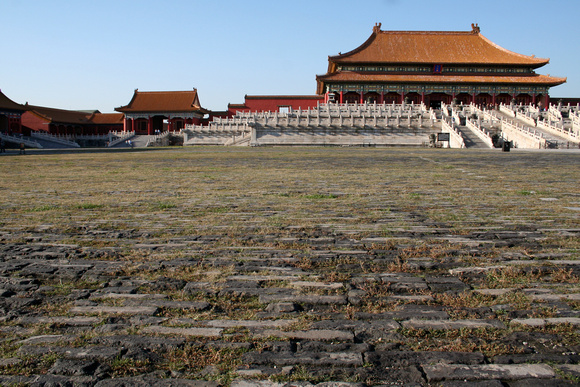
{"x":377,"y":28}
{"x":475,"y":28}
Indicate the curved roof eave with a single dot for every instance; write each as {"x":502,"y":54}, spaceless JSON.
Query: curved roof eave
{"x":444,"y":47}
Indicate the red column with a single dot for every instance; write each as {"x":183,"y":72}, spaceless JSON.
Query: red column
{"x":341,"y":97}
{"x":382,"y":97}
{"x":402,"y":98}
{"x":362,"y":96}
{"x":493,"y":99}
{"x":150,"y":126}
{"x":423,"y":97}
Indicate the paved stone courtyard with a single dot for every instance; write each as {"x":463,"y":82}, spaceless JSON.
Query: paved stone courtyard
{"x":268,"y":266}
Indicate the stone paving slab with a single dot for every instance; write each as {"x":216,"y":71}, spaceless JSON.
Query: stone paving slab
{"x":313,"y":299}
{"x":249,"y":323}
{"x":440,"y":372}
{"x":144,"y":310}
{"x":540,"y":322}
{"x":317,"y":335}
{"x":187,"y":332}
{"x":457,"y":324}
{"x":219,"y":267}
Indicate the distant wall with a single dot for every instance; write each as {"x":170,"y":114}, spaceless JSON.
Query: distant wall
{"x":273,"y":103}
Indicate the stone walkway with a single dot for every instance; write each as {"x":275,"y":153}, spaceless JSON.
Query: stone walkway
{"x":328,"y":303}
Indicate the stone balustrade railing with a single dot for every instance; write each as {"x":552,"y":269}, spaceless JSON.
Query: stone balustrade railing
{"x":575,"y":118}
{"x":17,"y":140}
{"x":554,"y":113}
{"x":455,"y":137}
{"x":444,"y":109}
{"x":337,"y":115}
{"x":59,"y":139}
{"x":155,"y":138}
{"x":327,"y":110}
{"x":121,"y":137}
{"x":558,"y":129}
{"x":489,"y":115}
{"x":479,"y":132}
{"x":215,"y":127}
{"x":455,"y":116}
{"x":507,"y":110}
{"x":521,"y":136}
{"x":527,"y":117}
{"x":432,"y":115}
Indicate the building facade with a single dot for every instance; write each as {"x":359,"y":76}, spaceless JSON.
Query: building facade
{"x":153,"y":112}
{"x":434,"y":67}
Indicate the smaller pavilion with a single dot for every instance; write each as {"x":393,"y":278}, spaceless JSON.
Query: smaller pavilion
{"x":10,"y":115}
{"x":151,"y":112}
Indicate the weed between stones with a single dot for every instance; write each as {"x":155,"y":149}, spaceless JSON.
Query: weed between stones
{"x":320,"y":273}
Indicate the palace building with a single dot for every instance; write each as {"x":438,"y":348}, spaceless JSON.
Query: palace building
{"x":61,"y":122}
{"x":10,"y":115}
{"x":149,"y":112}
{"x":434,"y":67}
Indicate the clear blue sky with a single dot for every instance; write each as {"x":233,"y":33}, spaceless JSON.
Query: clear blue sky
{"x":77,"y":54}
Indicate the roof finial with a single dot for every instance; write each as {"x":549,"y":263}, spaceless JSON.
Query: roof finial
{"x":475,"y":28}
{"x":377,"y":28}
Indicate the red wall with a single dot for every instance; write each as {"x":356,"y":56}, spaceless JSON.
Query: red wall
{"x":34,"y":122}
{"x":273,"y":103}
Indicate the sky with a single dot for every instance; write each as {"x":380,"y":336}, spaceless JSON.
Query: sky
{"x":82,"y":55}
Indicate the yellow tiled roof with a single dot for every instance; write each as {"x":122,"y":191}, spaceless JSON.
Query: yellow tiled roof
{"x":434,"y":47}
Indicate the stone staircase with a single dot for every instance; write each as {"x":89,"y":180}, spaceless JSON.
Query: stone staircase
{"x":141,"y":141}
{"x":471,"y":139}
